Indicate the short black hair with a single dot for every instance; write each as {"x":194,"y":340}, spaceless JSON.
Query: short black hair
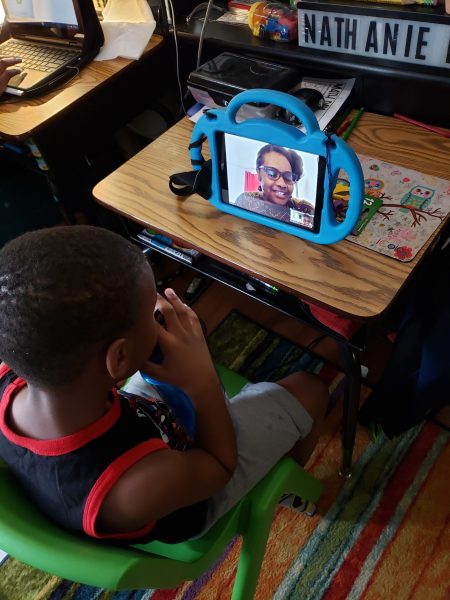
{"x":62,"y":290}
{"x":293,"y":158}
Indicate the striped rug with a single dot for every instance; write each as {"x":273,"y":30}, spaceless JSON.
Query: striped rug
{"x":383,"y":534}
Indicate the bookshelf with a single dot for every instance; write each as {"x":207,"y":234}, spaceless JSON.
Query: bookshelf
{"x":382,"y":86}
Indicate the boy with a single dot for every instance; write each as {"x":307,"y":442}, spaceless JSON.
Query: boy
{"x":77,"y":316}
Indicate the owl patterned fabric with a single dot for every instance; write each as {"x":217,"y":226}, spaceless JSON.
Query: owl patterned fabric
{"x":414,"y":206}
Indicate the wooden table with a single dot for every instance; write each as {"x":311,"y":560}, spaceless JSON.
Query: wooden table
{"x":22,"y":118}
{"x":63,"y":125}
{"x":342,"y":277}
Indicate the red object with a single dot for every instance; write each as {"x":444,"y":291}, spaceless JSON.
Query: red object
{"x":251,"y":182}
{"x":423,"y":125}
{"x":343,"y":127}
{"x":342,"y":325}
{"x":239,"y":5}
{"x":403,"y":252}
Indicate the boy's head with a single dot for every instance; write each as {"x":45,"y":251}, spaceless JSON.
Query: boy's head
{"x":66,"y":295}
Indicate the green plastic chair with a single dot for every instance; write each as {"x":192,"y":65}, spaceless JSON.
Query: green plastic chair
{"x":29,"y":536}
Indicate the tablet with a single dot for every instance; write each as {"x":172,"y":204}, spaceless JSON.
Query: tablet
{"x":272,"y":173}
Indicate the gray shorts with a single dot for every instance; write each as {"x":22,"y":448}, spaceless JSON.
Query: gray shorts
{"x":268,"y":421}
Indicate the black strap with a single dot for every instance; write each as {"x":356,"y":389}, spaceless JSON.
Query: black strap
{"x":190,"y":182}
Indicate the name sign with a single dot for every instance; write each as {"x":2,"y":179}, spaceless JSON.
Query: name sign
{"x":414,"y":42}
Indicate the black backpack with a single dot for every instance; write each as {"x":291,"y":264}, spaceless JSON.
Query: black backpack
{"x":415,"y":384}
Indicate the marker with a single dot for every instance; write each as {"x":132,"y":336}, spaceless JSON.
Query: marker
{"x":432,"y":128}
{"x":352,"y":125}
{"x":270,"y":289}
{"x":343,"y":127}
{"x":163,"y":239}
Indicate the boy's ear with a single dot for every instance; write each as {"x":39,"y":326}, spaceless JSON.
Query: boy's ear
{"x":117,"y":359}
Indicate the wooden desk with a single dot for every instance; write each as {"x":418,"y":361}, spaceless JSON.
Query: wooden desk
{"x":20,"y":119}
{"x":343,"y":277}
{"x":70,"y":123}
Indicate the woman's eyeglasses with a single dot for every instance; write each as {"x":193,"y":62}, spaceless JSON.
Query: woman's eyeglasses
{"x":274,"y":174}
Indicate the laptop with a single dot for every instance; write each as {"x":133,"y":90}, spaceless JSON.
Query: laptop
{"x":49,"y":36}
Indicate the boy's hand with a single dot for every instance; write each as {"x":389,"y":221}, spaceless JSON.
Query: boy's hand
{"x":6,"y":73}
{"x":187,"y":362}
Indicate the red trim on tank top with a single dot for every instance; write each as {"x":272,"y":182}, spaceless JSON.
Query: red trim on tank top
{"x":4,"y":369}
{"x":56,"y":446}
{"x":106,"y":481}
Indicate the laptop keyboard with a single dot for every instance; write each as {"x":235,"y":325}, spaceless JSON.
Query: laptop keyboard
{"x":40,"y":58}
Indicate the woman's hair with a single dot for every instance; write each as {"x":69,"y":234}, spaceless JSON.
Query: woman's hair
{"x":62,"y":290}
{"x":294,"y":159}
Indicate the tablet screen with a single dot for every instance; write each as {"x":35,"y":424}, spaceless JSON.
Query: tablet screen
{"x":275,"y":181}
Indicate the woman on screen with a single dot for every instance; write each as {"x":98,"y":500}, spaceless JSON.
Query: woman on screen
{"x":278,"y":171}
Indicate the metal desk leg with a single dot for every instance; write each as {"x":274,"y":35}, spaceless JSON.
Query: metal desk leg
{"x":352,"y":367}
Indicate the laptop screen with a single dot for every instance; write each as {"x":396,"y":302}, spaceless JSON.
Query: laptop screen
{"x":33,"y":17}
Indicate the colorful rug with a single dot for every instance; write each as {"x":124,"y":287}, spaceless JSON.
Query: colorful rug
{"x":384,"y":533}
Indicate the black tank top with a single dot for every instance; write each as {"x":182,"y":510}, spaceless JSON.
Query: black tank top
{"x":69,"y":477}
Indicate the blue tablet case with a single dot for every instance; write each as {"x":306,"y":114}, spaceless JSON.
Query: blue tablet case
{"x":337,"y":154}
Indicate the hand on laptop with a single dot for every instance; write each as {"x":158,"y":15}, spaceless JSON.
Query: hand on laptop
{"x":6,"y":72}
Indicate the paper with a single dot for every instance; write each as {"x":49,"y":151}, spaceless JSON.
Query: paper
{"x":237,"y":18}
{"x":127,"y":27}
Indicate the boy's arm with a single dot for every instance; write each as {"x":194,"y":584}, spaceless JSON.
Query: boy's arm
{"x":167,"y":480}
{"x":158,"y":485}
{"x":187,"y":364}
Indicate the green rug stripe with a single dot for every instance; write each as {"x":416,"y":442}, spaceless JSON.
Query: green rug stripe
{"x":356,"y":513}
{"x":22,"y":581}
{"x":337,"y":529}
{"x":260,"y":355}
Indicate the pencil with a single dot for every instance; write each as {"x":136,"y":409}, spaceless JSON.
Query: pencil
{"x":423,"y":125}
{"x":352,"y":125}
{"x":343,"y":127}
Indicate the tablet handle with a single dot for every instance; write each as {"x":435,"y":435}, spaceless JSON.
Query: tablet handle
{"x":290,"y":103}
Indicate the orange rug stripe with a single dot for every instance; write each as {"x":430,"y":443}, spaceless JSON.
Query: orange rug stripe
{"x":435,"y":574}
{"x":402,"y":562}
{"x":400,"y":481}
